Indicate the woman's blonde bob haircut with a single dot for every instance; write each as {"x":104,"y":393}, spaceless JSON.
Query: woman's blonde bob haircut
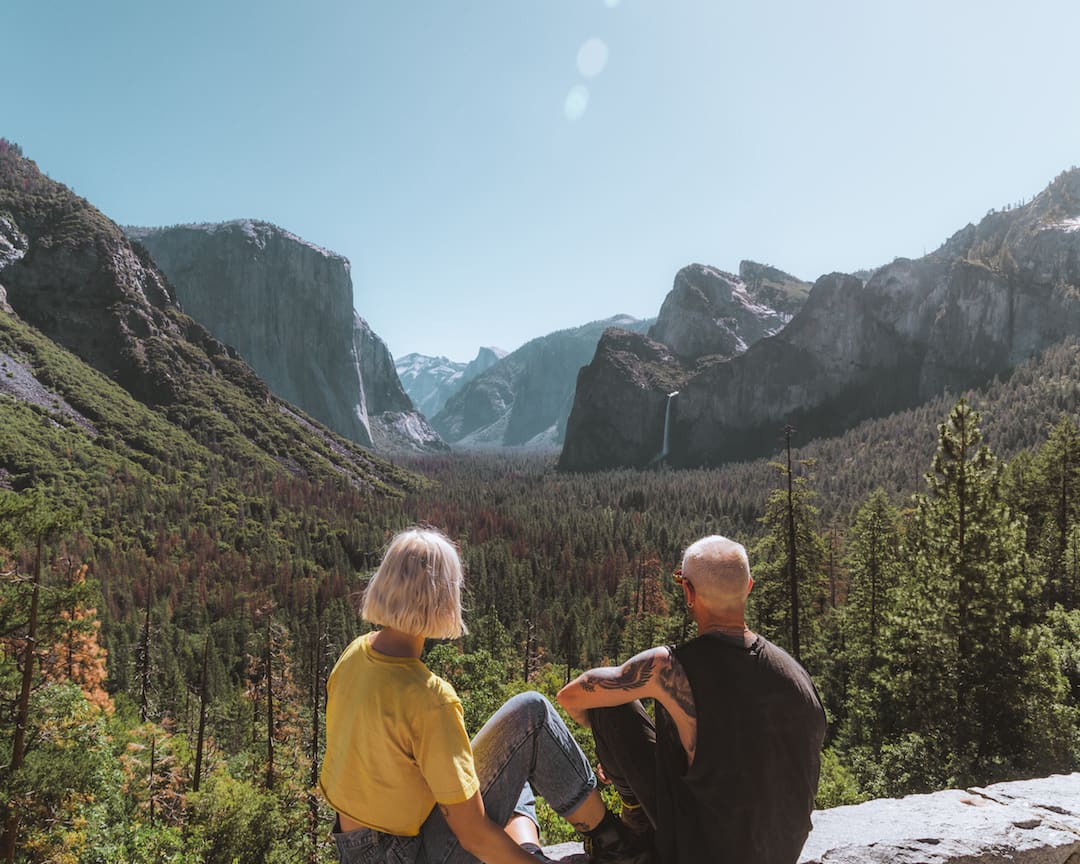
{"x":417,"y":588}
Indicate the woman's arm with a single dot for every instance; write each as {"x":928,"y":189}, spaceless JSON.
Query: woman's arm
{"x":480,"y":836}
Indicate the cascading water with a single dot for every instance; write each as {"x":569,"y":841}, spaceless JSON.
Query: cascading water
{"x":662,"y":455}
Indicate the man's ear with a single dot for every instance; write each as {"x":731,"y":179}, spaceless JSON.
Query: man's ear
{"x":750,"y":585}
{"x":691,"y":593}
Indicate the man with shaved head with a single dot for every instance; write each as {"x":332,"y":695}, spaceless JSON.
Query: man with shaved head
{"x":729,"y":771}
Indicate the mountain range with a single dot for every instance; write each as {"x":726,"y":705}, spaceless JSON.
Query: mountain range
{"x":992,"y":296}
{"x":99,"y":359}
{"x":430,"y":381}
{"x":730,"y":360}
{"x":523,"y":399}
{"x":286,"y":305}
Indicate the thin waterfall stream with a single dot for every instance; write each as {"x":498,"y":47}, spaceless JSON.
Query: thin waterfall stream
{"x":665,"y":448}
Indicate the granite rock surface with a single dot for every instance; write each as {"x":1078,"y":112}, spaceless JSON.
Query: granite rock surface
{"x":286,"y":306}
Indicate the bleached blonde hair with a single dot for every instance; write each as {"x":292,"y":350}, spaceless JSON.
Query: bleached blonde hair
{"x":417,"y":588}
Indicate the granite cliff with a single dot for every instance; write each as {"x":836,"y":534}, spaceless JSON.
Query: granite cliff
{"x":431,"y":381}
{"x":286,"y":306}
{"x":70,"y":275}
{"x":992,"y":296}
{"x":523,"y":400}
{"x":708,"y":311}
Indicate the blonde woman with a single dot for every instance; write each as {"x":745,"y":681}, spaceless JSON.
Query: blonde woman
{"x":407,"y":784}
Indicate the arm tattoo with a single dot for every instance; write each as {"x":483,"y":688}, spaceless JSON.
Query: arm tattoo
{"x":628,"y":678}
{"x":675,"y":683}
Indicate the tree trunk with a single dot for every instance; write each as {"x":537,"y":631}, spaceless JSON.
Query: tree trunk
{"x":144,"y":650}
{"x":269,"y":711}
{"x":793,"y":574}
{"x":22,"y":711}
{"x":202,"y":717}
{"x":316,"y":698}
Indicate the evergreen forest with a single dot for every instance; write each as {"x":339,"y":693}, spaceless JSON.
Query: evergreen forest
{"x":169,"y":615}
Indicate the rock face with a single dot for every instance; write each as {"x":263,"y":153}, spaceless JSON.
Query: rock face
{"x":1026,"y":822}
{"x":286,"y":306}
{"x":13,"y":246}
{"x":523,"y":400}
{"x":394,"y":423}
{"x":622,"y":410}
{"x":431,"y":381}
{"x":1036,"y":821}
{"x":70,"y":273}
{"x":624,"y":395}
{"x":712,"y":312}
{"x":989,"y":298}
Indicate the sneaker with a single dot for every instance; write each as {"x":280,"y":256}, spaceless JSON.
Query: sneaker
{"x":537,"y":853}
{"x":617,"y":844}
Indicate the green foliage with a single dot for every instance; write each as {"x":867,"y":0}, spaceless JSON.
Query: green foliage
{"x":968,"y":674}
{"x":233,"y":820}
{"x":838,"y":785}
{"x":478,"y":679}
{"x":770,"y":607}
{"x":874,"y":567}
{"x":186,"y":518}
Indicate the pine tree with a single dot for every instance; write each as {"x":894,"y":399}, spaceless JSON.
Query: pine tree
{"x":26,"y":518}
{"x":873,"y":570}
{"x":1051,"y":502}
{"x":957,"y":662}
{"x":791,"y":514}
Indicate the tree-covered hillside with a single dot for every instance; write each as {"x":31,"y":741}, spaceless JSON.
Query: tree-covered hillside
{"x":214,"y":601}
{"x":181,"y":557}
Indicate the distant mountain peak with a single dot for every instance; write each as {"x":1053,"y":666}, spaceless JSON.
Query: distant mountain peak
{"x":431,"y":381}
{"x":523,"y":400}
{"x":712,"y":312}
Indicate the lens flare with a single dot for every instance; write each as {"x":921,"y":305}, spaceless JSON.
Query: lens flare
{"x":577,"y":100}
{"x":592,"y":57}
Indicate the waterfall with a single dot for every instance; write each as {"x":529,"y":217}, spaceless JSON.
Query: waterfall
{"x":662,"y":455}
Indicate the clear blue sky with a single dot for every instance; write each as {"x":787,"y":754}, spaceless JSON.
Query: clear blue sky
{"x":498,"y":169}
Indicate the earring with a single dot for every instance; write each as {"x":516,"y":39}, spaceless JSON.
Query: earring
{"x":690,"y":605}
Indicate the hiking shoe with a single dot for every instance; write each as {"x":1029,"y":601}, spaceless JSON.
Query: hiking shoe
{"x":537,"y":853}
{"x":633,"y":817}
{"x":617,"y":844}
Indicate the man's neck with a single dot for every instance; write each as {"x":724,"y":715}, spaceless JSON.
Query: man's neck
{"x":733,"y":626}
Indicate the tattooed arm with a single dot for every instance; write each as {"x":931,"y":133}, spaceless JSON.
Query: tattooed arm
{"x":638,"y":678}
{"x":652,"y":674}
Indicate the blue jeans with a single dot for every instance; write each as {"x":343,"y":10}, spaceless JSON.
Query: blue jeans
{"x":524,"y":743}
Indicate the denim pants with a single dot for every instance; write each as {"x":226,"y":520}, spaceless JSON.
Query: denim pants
{"x":524,"y":744}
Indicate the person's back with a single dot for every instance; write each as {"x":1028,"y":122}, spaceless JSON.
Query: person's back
{"x":748,"y":796}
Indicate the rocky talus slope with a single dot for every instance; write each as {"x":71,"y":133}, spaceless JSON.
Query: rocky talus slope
{"x":286,"y":306}
{"x":992,"y":296}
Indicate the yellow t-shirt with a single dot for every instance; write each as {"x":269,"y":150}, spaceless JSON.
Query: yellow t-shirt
{"x":395,"y":741}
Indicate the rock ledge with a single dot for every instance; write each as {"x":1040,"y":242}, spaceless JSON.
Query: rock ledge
{"x":1023,"y":822}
